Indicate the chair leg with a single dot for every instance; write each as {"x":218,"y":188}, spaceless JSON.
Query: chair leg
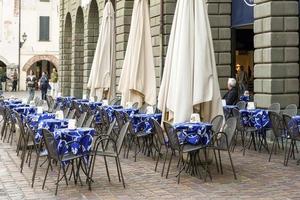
{"x":288,"y":156}
{"x":285,"y":151}
{"x":169,"y":165}
{"x":216,"y":160}
{"x":158,"y":154}
{"x":106,"y":167}
{"x":271,"y":151}
{"x":163,"y":169}
{"x":120,"y":168}
{"x":49,"y":161}
{"x":58,"y":178}
{"x":35,"y":168}
{"x":220,"y":161}
{"x":233,"y":170}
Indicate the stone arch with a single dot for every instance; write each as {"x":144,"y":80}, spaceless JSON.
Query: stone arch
{"x":78,"y":56}
{"x":52,"y":59}
{"x":91,"y":39}
{"x":66,"y":56}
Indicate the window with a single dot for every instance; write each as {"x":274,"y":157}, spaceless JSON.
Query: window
{"x":44,"y":28}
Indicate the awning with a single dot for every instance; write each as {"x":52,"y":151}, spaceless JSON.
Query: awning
{"x":242,"y":13}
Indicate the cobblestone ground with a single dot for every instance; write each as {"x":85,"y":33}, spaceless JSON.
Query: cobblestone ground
{"x":257,"y":179}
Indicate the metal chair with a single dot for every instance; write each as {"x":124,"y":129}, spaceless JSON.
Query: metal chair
{"x":278,"y":131}
{"x":81,"y":120}
{"x":290,"y":110}
{"x":160,"y":141}
{"x":66,"y":112}
{"x":71,"y":114}
{"x":115,"y":101}
{"x":241,"y":105}
{"x":101,"y":149}
{"x":292,"y":130}
{"x":191,"y":150}
{"x":217,"y":122}
{"x":135,"y":105}
{"x":221,"y":141}
{"x":89,"y":122}
{"x":53,"y":155}
{"x":275,"y":107}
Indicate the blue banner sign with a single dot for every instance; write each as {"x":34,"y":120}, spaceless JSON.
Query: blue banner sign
{"x":242,"y":13}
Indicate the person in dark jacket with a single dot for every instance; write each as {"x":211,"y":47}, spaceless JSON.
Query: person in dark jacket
{"x":44,"y":85}
{"x":231,"y":96}
{"x":31,"y":83}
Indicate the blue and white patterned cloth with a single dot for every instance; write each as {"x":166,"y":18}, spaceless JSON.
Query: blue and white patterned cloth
{"x":92,"y":105}
{"x":25,"y":110}
{"x":51,"y":125}
{"x":142,"y":122}
{"x":12,"y":101}
{"x":245,"y":98}
{"x":16,"y":105}
{"x":76,"y":140}
{"x":34,"y":119}
{"x":129,"y":111}
{"x":64,"y":101}
{"x":257,"y":118}
{"x":194,"y":133}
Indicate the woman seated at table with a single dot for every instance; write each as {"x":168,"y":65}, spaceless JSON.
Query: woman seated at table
{"x":231,"y":96}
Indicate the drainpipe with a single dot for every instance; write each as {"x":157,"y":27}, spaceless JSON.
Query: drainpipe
{"x":162,"y":37}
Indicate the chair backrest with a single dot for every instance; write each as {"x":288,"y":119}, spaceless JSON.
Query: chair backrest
{"x":120,"y":119}
{"x":290,"y":110}
{"x":159,"y":133}
{"x":217,"y":122}
{"x":135,"y":105}
{"x":275,"y":107}
{"x":81,"y":119}
{"x":71,"y":114}
{"x":89,"y":121}
{"x":143,"y":108}
{"x":241,"y":105}
{"x":121,"y":137}
{"x":224,"y":142}
{"x":277,"y":123}
{"x":51,"y":144}
{"x":172,"y":136}
{"x":237,"y":115}
{"x":66,"y":111}
{"x":291,"y":126}
{"x":20,"y":123}
{"x":115,"y":101}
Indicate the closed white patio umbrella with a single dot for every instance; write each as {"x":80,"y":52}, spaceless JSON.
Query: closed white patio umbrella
{"x":190,"y":80}
{"x":103,"y":63}
{"x":137,"y":81}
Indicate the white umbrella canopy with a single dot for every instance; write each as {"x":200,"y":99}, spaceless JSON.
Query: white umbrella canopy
{"x":102,"y":70}
{"x":137,"y":80}
{"x":190,"y":80}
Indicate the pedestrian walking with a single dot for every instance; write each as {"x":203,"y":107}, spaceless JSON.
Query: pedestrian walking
{"x":44,"y":85}
{"x":54,"y":83}
{"x":4,"y":78}
{"x":31,"y":83}
{"x":14,"y":81}
{"x":242,"y":79}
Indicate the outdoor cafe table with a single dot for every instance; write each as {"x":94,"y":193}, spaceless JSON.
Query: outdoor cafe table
{"x":12,"y":101}
{"x":141,"y":122}
{"x":129,"y":111}
{"x":257,"y":118}
{"x":51,"y":125}
{"x":34,"y":119}
{"x":92,"y":105}
{"x":77,"y":140}
{"x":16,"y":105}
{"x":194,"y":133}
{"x":25,"y":110}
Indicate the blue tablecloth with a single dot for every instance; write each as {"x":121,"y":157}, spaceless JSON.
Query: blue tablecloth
{"x":141,"y":122}
{"x":12,"y":101}
{"x":51,"y":125}
{"x":92,"y":105}
{"x":25,"y":110}
{"x":34,"y":119}
{"x":194,"y":133}
{"x":64,"y":101}
{"x":81,"y":100}
{"x":16,"y":105}
{"x":129,"y":111}
{"x":245,"y":98}
{"x":76,"y":141}
{"x":257,"y":118}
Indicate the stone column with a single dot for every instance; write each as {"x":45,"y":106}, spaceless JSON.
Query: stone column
{"x":219,"y":12}
{"x":276,"y":54}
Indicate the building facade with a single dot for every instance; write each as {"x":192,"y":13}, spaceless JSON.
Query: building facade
{"x":39,"y":22}
{"x":261,"y":35}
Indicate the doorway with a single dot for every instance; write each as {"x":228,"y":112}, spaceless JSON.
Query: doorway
{"x":243,"y":56}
